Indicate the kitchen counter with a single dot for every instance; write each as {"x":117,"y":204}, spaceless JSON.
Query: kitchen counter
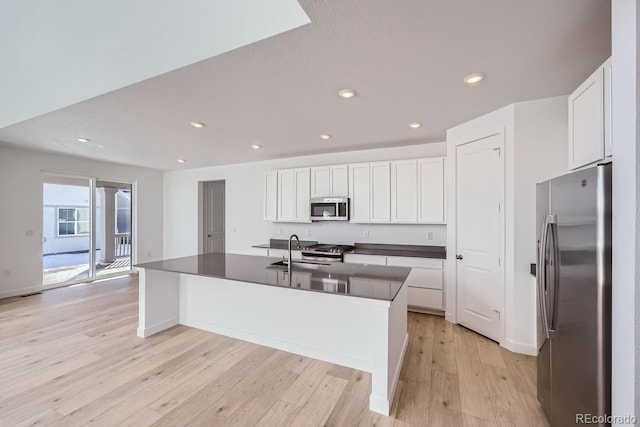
{"x":418,"y":251}
{"x":356,"y":280}
{"x":352,"y":315}
{"x":284,"y":244}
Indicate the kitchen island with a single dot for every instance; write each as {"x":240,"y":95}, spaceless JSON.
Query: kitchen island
{"x":348,"y":314}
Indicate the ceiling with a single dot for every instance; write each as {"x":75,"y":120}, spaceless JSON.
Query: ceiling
{"x":406,"y":60}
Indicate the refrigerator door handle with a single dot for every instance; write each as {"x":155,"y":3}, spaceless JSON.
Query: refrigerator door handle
{"x":541,"y":275}
{"x":555,"y":272}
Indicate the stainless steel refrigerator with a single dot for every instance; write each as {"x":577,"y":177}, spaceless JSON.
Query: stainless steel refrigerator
{"x":574,"y":295}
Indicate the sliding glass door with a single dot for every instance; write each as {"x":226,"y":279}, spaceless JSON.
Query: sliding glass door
{"x":113,"y":227}
{"x":86,"y":229}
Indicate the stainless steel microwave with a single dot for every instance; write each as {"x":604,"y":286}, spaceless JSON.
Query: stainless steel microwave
{"x":330,"y":209}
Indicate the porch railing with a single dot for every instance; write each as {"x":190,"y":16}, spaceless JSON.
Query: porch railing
{"x":123,"y":244}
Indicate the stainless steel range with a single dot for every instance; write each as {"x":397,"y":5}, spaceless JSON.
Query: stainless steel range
{"x":325,"y":252}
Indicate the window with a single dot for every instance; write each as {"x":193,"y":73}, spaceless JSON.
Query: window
{"x":73,"y":221}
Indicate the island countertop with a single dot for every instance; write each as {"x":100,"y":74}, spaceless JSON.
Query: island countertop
{"x":355,"y":280}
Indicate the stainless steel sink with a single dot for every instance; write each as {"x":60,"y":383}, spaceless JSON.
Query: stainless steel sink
{"x":302,"y":264}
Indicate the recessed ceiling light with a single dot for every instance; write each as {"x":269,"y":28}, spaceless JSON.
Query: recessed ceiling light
{"x":256,"y":146}
{"x":83,"y":139}
{"x":415,"y":125}
{"x":474,"y":78}
{"x":180,"y":160}
{"x":347,"y":93}
{"x":325,"y":136}
{"x":197,"y":125}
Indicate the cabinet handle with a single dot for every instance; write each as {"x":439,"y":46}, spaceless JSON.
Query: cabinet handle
{"x":459,"y":257}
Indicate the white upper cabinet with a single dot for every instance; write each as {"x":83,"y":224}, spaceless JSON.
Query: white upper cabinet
{"x":380,"y":192}
{"x":270,"y":212}
{"x":431,"y":190}
{"x":404,"y":191}
{"x":359,"y":193}
{"x":401,"y":192}
{"x":589,"y":123}
{"x":339,"y":181}
{"x":329,"y":181}
{"x":293,"y":195}
{"x":302,"y":207}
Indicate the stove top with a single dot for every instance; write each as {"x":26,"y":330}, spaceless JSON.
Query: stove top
{"x":323,"y":248}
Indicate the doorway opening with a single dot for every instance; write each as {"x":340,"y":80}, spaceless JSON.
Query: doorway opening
{"x":86,"y":229}
{"x":211,"y":235}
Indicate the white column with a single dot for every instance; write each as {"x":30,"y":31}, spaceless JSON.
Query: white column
{"x":625,"y":393}
{"x":107,"y":218}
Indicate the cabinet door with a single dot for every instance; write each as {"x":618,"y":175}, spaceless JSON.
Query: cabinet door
{"x":302,"y":190}
{"x":359,"y":192}
{"x":380,"y":188}
{"x":339,"y":181}
{"x":431,"y":190}
{"x":404,"y":191}
{"x":425,"y":298}
{"x":321,"y":181}
{"x":270,"y":195}
{"x":608,"y":147}
{"x":586,"y":122}
{"x":286,"y":195}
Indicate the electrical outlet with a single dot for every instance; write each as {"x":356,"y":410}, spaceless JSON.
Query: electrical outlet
{"x":233,"y":229}
{"x":149,"y":255}
{"x":429,"y":235}
{"x":279,"y":231}
{"x":365,"y":233}
{"x":308,"y":232}
{"x":29,"y":233}
{"x":6,"y":273}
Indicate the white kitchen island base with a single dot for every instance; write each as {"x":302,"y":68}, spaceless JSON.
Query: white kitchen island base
{"x":361,"y":333}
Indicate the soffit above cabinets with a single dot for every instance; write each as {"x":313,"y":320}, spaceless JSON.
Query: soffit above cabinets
{"x":405,"y":59}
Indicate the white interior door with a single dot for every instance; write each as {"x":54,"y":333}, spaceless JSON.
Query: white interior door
{"x":213,"y":216}
{"x":479,"y":193}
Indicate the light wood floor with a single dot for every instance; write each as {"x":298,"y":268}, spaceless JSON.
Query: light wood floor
{"x":71,"y":357}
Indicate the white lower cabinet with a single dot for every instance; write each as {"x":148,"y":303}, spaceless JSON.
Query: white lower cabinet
{"x":425,"y":282}
{"x":430,"y":299}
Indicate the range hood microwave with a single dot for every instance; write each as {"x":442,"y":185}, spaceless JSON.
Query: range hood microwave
{"x":330,"y":209}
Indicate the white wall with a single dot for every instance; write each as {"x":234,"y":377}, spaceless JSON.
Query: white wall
{"x":626,"y":215}
{"x":535,"y":135}
{"x":541,"y":152}
{"x":21,"y":195}
{"x":244,"y":205}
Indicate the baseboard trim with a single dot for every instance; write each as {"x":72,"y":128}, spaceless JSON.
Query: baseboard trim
{"x":20,"y":292}
{"x":518,"y":347}
{"x":158,"y":327}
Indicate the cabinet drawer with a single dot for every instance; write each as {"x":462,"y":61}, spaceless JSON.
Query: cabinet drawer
{"x":425,"y":298}
{"x":365,"y":259}
{"x":425,"y":278}
{"x":400,"y":261}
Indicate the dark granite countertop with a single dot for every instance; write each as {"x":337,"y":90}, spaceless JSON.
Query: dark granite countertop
{"x":284,"y":244}
{"x":355,"y":280}
{"x":419,"y":251}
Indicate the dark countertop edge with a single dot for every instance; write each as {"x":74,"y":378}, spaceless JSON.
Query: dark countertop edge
{"x":411,"y":254}
{"x":411,"y":251}
{"x":276,"y":286}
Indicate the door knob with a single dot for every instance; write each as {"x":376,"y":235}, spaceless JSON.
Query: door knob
{"x":458,"y":256}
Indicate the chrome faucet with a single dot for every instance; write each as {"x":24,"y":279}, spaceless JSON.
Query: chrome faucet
{"x":289,"y":260}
